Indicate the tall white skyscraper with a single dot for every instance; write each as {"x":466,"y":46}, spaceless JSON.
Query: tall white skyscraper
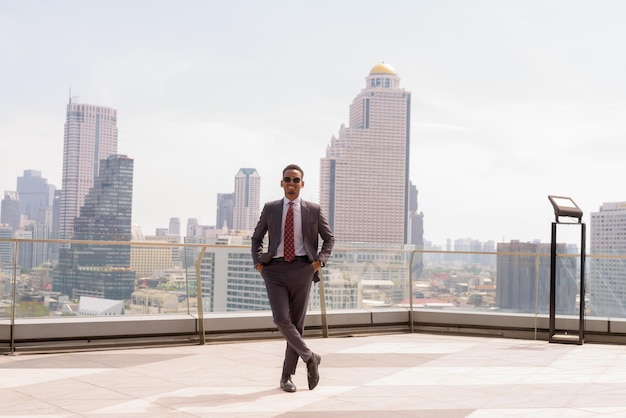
{"x":246,"y":210}
{"x":364,"y":178}
{"x":90,"y":136}
{"x":607,"y":276}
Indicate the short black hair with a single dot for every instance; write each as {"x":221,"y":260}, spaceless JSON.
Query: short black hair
{"x":293,"y":167}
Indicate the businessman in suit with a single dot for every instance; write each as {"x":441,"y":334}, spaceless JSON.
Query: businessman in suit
{"x":289,"y":267}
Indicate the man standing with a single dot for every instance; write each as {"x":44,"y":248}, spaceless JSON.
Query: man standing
{"x":289,"y":267}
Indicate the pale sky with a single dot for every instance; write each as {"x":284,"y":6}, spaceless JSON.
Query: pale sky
{"x":511,"y":100}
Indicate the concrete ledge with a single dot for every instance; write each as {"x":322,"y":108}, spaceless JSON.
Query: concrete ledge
{"x":238,"y":322}
{"x":99,"y":327}
{"x":615,"y":327}
{"x":129,"y":330}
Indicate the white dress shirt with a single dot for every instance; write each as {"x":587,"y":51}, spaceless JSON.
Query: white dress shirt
{"x":298,"y":241}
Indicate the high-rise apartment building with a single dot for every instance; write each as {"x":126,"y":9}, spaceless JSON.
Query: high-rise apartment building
{"x":101,"y":271}
{"x":90,"y":137}
{"x":247,"y":199}
{"x":607,"y":276}
{"x":364,"y":178}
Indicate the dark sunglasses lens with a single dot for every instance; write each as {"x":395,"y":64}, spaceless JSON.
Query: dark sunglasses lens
{"x":289,"y":179}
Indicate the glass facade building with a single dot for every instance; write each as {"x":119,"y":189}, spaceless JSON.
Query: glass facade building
{"x":101,"y":271}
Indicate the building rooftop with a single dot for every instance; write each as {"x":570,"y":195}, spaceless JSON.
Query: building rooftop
{"x":383,"y":68}
{"x":398,"y":375}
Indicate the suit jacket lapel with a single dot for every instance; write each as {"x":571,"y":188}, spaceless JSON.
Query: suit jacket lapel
{"x":304,"y":214}
{"x":278,"y":217}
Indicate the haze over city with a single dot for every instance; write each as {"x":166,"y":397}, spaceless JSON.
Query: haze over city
{"x":511,"y":100}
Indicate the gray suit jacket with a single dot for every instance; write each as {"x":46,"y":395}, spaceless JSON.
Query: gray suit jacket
{"x":314,"y":225}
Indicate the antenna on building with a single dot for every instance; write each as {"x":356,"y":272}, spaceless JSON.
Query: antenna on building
{"x":73,"y":98}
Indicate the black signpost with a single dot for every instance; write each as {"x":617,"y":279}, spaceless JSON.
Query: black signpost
{"x":564,"y":207}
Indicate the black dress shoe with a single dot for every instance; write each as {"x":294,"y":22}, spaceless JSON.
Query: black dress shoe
{"x":312,"y":372}
{"x":286,"y":384}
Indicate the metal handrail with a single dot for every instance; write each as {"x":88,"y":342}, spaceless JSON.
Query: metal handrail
{"x":204,"y":248}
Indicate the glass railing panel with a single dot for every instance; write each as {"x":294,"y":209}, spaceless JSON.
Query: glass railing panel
{"x":355,"y":278}
{"x":365,"y":277}
{"x":228,"y":280}
{"x":94,"y":278}
{"x":514,"y":281}
{"x":156,"y":278}
{"x":457,"y":281}
{"x":606,"y":285}
{"x":8,"y":274}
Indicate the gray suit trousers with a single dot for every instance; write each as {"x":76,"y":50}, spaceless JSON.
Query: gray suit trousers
{"x":288,"y":286}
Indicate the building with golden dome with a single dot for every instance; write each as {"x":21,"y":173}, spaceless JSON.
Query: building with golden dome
{"x":364,"y":177}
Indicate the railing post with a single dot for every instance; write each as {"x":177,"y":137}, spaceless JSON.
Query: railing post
{"x":199,"y":297}
{"x":536,"y":292}
{"x":581,"y":305}
{"x":14,"y":295}
{"x":323,"y":306}
{"x":411,"y":291}
{"x":552,"y":317}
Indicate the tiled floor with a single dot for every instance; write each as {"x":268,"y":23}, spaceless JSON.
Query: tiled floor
{"x":401,"y":375}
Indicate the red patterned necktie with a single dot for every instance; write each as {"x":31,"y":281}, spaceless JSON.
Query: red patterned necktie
{"x":290,"y":252}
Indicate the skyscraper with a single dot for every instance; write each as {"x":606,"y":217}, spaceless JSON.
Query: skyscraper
{"x":10,"y":210}
{"x":174,"y":227}
{"x":36,"y":197}
{"x":225,"y":206}
{"x":101,"y":270}
{"x":247,"y":199}
{"x":607,"y":276}
{"x":90,"y":137}
{"x":364,"y":178}
{"x":36,"y":206}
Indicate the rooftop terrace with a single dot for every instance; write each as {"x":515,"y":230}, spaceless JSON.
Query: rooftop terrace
{"x":391,"y":375}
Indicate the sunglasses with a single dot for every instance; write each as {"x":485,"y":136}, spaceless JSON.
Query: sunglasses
{"x":296,"y":180}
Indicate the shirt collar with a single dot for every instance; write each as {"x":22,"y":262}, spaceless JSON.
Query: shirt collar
{"x":296,"y":201}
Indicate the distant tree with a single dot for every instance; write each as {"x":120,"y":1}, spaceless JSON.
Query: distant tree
{"x":29,"y":310}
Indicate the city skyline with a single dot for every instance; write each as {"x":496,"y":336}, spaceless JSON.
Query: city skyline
{"x":511,"y":101}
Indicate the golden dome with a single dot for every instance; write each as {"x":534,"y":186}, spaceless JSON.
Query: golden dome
{"x":383,"y":68}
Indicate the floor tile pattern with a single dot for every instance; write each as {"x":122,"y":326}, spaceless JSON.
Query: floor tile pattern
{"x":399,"y":375}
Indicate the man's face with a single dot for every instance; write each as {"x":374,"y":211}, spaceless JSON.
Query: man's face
{"x":293,"y":186}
